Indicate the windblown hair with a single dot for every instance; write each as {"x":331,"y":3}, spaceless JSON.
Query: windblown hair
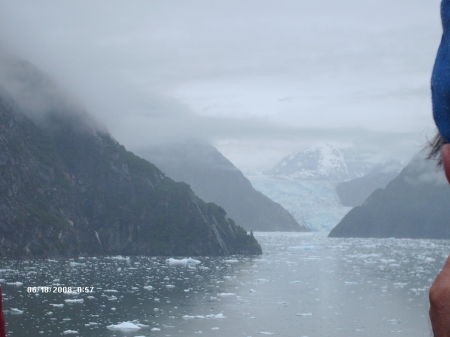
{"x":436,"y":147}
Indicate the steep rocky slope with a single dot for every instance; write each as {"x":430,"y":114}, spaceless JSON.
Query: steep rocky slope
{"x":416,"y":204}
{"x":214,"y":178}
{"x":67,"y":188}
{"x":354,"y":192}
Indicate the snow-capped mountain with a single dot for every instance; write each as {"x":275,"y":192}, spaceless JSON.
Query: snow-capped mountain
{"x":323,"y":162}
{"x":305,"y":182}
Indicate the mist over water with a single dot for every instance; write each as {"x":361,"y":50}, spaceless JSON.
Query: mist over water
{"x":303,"y":285}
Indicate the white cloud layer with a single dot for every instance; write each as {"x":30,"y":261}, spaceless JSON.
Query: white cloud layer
{"x":240,"y":73}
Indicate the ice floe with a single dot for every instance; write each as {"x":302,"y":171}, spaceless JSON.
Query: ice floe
{"x":16,"y":311}
{"x":182,"y":262}
{"x":70,"y":332}
{"x":211,"y":316}
{"x":126,"y":326}
{"x":74,"y":301}
{"x":15,"y":284}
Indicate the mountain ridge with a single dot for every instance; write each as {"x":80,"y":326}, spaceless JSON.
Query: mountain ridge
{"x":413,"y":205}
{"x":214,"y":178}
{"x":69,"y":189}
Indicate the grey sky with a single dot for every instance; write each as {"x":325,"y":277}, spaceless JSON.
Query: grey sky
{"x":259,"y":78}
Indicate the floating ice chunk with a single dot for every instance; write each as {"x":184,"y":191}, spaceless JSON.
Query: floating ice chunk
{"x":232,"y":261}
{"x":111,"y":291}
{"x":16,"y":311}
{"x":57,"y":305}
{"x":170,"y":286}
{"x":120,"y":258}
{"x":74,"y":300}
{"x":76,"y":264}
{"x":216,"y":316}
{"x":15,"y":284}
{"x":148,"y":288}
{"x":304,"y":314}
{"x":265,"y":333}
{"x":182,"y":262}
{"x":91,"y":324}
{"x":155,"y":329}
{"x":226,"y":294}
{"x":70,"y":332}
{"x":125,"y":326}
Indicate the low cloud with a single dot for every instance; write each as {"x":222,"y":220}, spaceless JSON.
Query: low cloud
{"x":248,"y":76}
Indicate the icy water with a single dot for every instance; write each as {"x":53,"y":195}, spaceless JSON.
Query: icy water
{"x":303,"y":285}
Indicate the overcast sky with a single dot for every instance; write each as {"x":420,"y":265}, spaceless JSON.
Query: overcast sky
{"x":258,"y":78}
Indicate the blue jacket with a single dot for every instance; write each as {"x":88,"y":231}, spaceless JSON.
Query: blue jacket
{"x":440,"y":81}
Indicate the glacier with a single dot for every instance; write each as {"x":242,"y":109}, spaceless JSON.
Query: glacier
{"x":305,"y":182}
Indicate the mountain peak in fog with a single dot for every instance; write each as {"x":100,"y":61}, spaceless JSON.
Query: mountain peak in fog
{"x":214,"y":178}
{"x":324,"y":161}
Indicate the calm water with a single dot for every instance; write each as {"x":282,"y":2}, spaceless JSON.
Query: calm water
{"x":304,"y":285}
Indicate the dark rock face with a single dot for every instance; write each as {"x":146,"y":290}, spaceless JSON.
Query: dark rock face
{"x":67,"y":189}
{"x":416,"y":204}
{"x":214,"y":178}
{"x":354,"y":192}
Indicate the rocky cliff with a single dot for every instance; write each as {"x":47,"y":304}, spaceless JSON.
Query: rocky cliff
{"x":416,"y":204}
{"x":68,"y":188}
